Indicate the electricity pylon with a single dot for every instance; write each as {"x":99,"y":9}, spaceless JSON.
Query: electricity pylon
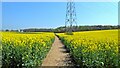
{"x":70,"y":17}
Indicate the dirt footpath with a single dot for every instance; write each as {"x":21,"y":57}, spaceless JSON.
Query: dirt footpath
{"x":57,"y":56}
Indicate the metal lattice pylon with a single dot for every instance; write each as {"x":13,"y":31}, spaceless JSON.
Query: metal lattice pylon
{"x":70,"y":17}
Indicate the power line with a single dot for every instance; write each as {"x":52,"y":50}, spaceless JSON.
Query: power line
{"x":70,"y":16}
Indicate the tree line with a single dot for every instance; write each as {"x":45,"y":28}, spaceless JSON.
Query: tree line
{"x":63,"y":29}
{"x":87,"y":28}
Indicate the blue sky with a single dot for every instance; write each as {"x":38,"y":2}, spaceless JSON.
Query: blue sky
{"x":19,"y":15}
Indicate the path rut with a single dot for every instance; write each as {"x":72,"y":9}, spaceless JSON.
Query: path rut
{"x":57,"y":56}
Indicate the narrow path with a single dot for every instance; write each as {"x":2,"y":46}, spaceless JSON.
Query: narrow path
{"x":57,"y":56}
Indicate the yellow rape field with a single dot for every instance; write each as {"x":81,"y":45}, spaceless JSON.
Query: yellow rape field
{"x":25,"y":49}
{"x":93,"y":48}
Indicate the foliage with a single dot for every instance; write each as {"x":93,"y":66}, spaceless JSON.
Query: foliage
{"x":63,"y":29}
{"x":69,"y":33}
{"x":93,"y":48}
{"x":86,"y":28}
{"x":25,"y":50}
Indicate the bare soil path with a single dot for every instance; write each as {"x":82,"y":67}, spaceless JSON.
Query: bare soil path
{"x":57,"y":56}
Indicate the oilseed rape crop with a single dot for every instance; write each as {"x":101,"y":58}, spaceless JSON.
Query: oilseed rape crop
{"x":25,"y":49}
{"x":93,"y":48}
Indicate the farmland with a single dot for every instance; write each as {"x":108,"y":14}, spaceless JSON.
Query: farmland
{"x":25,"y":49}
{"x":93,"y":48}
{"x":87,"y":49}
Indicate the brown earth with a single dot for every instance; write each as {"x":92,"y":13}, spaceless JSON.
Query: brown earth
{"x":57,"y":56}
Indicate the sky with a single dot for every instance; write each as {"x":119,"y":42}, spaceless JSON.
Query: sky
{"x":59,"y":0}
{"x":20,"y":15}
